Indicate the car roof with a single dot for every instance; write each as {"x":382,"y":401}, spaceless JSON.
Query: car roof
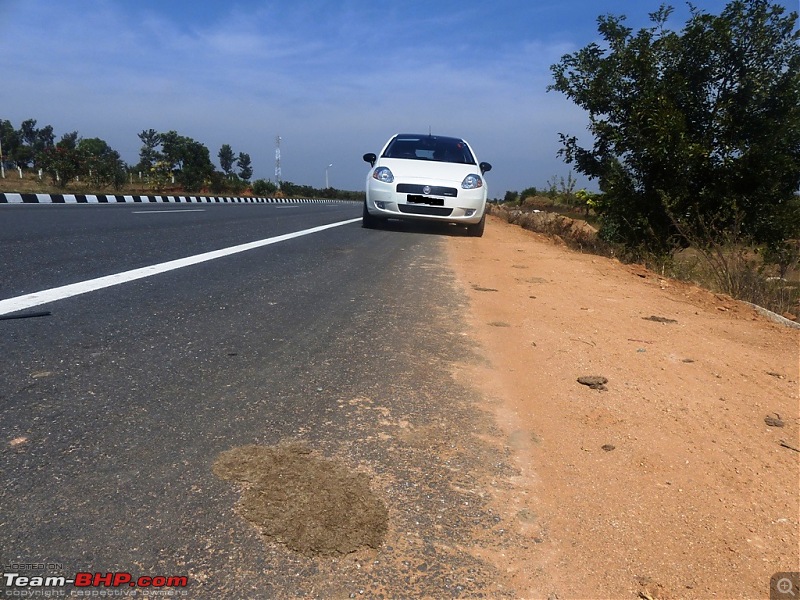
{"x":428,"y":135}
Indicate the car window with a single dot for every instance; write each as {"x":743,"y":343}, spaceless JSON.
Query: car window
{"x":430,"y":148}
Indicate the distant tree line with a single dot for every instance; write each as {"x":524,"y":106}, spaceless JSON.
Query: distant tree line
{"x":166,"y":160}
{"x":63,"y":161}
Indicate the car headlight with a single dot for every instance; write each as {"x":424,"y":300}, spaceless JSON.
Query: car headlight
{"x":383,"y":174}
{"x":472,"y":182}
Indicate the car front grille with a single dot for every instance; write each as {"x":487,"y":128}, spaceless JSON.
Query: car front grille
{"x":434,"y":190}
{"x":413,"y":209}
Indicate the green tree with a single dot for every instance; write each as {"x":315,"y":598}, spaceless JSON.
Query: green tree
{"x":149,"y":154}
{"x":691,"y":128}
{"x":62,"y":162}
{"x":264,"y":187}
{"x":245,"y":166}
{"x":103,"y":166}
{"x":226,"y":159}
{"x":197,"y":166}
{"x":189,"y":160}
{"x":172,"y":146}
{"x":28,"y":132}
{"x":44,"y":139}
{"x":69,"y":141}
{"x":32,"y":141}
{"x":289,"y":189}
{"x":9,"y":141}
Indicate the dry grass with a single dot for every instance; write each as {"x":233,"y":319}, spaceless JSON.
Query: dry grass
{"x":741,"y":273}
{"x":30,"y":184}
{"x":737,"y":271}
{"x":575,"y":233}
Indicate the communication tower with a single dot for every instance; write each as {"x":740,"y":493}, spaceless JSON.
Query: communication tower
{"x":278,"y":161}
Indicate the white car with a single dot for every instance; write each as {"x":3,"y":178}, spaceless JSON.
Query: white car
{"x":428,"y":177}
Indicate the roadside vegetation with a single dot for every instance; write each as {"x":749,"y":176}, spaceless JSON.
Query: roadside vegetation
{"x":695,"y":150}
{"x":741,"y":270}
{"x":33,"y":161}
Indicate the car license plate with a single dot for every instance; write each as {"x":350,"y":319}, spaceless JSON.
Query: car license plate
{"x":414,"y":199}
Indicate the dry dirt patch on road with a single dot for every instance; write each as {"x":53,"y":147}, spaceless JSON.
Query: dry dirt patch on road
{"x":669,"y":480}
{"x":312,"y":505}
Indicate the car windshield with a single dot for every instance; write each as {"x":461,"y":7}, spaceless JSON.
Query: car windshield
{"x":426,"y":147}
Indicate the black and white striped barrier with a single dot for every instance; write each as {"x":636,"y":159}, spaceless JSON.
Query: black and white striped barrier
{"x":119,"y":199}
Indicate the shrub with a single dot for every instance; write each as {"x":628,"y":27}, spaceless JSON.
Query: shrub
{"x":264,"y":187}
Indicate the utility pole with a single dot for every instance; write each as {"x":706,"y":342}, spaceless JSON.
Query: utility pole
{"x":2,"y":166}
{"x":326,"y":175}
{"x":278,"y":161}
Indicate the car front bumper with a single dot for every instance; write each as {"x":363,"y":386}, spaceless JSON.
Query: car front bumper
{"x":407,"y":200}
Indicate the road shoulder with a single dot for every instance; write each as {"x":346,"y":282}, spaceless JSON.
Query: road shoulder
{"x":667,"y":482}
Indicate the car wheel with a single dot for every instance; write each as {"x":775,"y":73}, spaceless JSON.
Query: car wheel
{"x":368,"y":221}
{"x":477,"y":229}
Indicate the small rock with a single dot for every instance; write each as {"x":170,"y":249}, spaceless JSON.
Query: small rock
{"x":659,"y":319}
{"x":775,"y":421}
{"x":596,"y":382}
{"x":608,"y":447}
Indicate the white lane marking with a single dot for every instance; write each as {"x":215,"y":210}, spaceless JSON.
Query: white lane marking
{"x":158,"y":212}
{"x":67,"y":291}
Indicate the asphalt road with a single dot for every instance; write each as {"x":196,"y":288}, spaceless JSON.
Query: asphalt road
{"x":114,"y":407}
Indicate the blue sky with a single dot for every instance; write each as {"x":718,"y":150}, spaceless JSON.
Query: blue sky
{"x":333,"y":79}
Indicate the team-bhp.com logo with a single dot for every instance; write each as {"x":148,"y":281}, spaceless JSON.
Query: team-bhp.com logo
{"x":91,"y":580}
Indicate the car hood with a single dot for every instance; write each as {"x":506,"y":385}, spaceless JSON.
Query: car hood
{"x":411,"y":170}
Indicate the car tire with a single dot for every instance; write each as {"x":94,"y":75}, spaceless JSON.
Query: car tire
{"x":368,"y":221}
{"x":476,"y":230}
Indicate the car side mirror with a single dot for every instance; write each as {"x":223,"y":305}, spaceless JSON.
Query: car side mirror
{"x":370,"y":158}
{"x":485,"y":167}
